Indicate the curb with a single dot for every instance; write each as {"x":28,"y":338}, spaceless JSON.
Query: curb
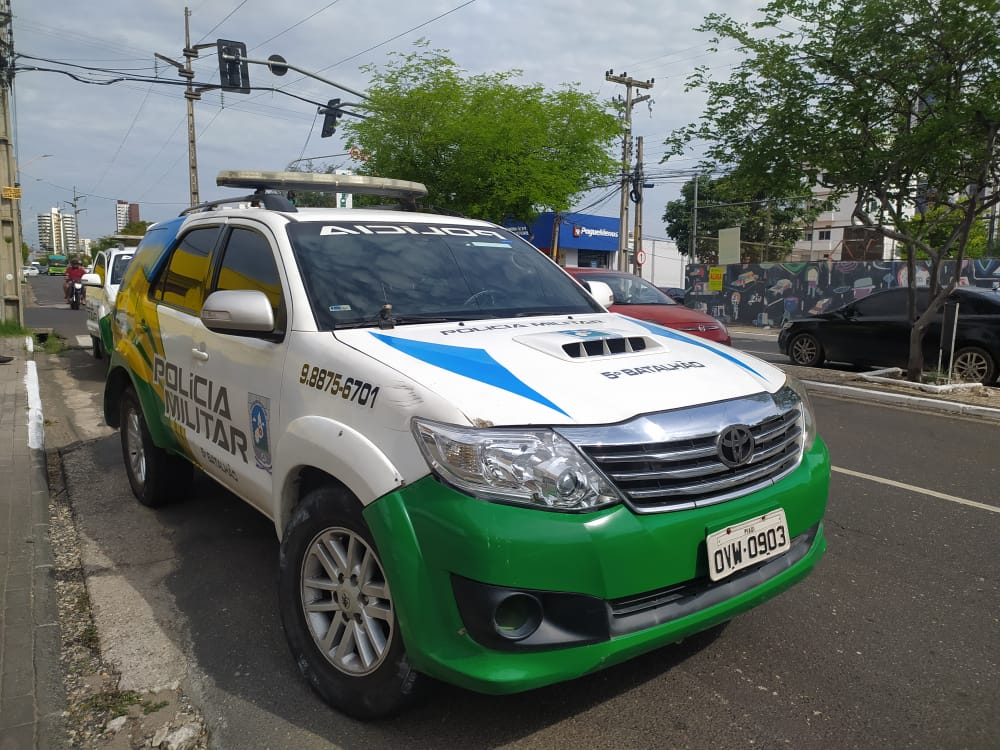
{"x":901,"y":399}
{"x":50,"y":697}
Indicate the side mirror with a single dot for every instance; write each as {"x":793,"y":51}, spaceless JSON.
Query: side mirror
{"x":600,"y":292}
{"x":239,"y":311}
{"x":91,"y":279}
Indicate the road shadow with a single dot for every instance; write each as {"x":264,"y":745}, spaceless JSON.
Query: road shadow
{"x":224,"y":586}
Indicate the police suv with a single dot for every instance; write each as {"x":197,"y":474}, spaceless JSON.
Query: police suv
{"x":476,"y":472}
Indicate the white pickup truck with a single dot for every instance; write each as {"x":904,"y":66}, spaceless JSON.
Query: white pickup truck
{"x":102,"y":289}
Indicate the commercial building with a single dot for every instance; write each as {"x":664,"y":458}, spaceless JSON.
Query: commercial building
{"x":57,"y":232}
{"x":587,"y":240}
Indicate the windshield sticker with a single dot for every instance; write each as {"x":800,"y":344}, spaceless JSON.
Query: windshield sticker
{"x":475,"y":364}
{"x":259,"y":409}
{"x":648,"y":369}
{"x":504,"y":245}
{"x":667,"y":333}
{"x":339,"y":308}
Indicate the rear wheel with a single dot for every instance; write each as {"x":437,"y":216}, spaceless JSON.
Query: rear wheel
{"x":974,"y":365}
{"x":337,"y":608}
{"x":805,"y":350}
{"x":155,"y":475}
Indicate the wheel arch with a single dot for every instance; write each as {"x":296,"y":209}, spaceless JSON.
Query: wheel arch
{"x":315,"y":450}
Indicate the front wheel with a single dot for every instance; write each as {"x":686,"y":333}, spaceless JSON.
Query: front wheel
{"x":805,"y":350}
{"x":156,"y":476}
{"x":974,"y":365}
{"x":337,"y":608}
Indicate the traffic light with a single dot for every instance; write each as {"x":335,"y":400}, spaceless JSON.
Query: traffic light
{"x":331,"y":113}
{"x":234,"y":75}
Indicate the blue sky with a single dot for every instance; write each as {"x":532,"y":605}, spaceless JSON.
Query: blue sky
{"x":128,"y":140}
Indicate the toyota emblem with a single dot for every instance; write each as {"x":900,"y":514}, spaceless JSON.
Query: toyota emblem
{"x":735,"y":445}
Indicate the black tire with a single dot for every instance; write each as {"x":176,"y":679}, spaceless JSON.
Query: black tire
{"x":805,"y":350}
{"x":363,"y":670}
{"x":74,"y":304}
{"x":157,"y":477}
{"x":973,"y":364}
{"x":98,"y":347}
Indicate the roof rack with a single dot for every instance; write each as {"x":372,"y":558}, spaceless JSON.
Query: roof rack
{"x":259,"y":199}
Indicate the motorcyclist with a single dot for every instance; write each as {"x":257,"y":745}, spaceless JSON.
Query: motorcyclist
{"x":74,"y":272}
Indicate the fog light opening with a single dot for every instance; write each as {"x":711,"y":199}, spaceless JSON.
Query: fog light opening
{"x":517,"y":616}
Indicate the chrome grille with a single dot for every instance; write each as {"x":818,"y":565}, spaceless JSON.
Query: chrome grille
{"x":670,"y":460}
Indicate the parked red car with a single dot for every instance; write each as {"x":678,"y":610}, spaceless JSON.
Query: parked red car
{"x":638,"y":298}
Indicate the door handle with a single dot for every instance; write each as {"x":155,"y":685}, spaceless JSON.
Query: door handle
{"x":200,"y":355}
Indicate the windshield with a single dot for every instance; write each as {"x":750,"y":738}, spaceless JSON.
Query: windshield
{"x":118,"y":267}
{"x":441,"y":272}
{"x":629,"y":289}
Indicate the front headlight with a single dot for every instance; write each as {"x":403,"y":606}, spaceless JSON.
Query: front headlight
{"x":795,"y":388}
{"x":537,"y":468}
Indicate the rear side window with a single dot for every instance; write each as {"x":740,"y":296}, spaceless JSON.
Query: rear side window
{"x":182,"y":283}
{"x":248,"y":263}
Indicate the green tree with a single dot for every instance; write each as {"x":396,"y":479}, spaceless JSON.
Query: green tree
{"x":894,"y":104}
{"x":133,"y":229}
{"x":484,"y":146}
{"x":25,"y":252}
{"x":768,"y":227}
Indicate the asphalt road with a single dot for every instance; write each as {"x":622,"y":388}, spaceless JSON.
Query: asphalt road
{"x":47,"y":308}
{"x":892,"y":642}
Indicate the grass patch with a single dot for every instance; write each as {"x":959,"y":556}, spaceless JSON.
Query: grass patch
{"x":11,"y":328}
{"x":113,"y":702}
{"x":50,"y":343}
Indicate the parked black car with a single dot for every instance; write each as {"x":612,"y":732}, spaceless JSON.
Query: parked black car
{"x":875,"y":331}
{"x":675,"y":293}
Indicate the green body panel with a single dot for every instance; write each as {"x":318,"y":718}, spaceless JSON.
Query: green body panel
{"x":104,"y":326}
{"x":427,"y":532}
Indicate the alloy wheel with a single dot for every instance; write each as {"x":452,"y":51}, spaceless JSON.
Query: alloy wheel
{"x":346,"y":601}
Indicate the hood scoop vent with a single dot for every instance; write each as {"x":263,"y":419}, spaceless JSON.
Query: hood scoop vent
{"x":605,"y":347}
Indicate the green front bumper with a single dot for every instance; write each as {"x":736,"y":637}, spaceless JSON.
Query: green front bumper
{"x":428,"y":533}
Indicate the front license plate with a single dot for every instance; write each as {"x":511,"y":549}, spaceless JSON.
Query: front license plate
{"x":748,"y":543}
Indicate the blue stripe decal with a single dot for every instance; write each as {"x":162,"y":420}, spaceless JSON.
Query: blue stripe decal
{"x":667,"y":333}
{"x":476,"y":364}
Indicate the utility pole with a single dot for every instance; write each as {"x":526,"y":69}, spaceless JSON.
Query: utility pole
{"x":12,"y":310}
{"x":694,"y":221}
{"x":191,"y":94}
{"x":76,"y":216}
{"x":629,"y":102}
{"x":637,"y":197}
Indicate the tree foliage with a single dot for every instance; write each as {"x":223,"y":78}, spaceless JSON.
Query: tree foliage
{"x":484,"y":145}
{"x":133,"y":228}
{"x":892,"y":103}
{"x":768,"y":226}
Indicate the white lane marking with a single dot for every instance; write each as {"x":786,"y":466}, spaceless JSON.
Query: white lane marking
{"x":919,"y":490}
{"x":769,"y":354}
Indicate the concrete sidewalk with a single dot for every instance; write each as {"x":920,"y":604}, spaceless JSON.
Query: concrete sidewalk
{"x":31,"y":693}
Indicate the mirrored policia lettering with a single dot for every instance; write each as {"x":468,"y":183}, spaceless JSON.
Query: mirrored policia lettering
{"x":200,"y":405}
{"x":441,"y":231}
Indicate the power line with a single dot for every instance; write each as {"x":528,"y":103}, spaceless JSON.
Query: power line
{"x":228,"y":16}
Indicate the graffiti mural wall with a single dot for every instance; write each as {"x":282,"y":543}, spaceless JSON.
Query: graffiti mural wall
{"x":767,"y":294}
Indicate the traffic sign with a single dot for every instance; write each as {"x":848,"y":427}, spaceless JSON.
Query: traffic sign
{"x":10,"y":193}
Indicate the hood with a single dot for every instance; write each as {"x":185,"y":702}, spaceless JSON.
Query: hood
{"x":593,"y":369}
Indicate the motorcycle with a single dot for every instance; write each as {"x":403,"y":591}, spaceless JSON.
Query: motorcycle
{"x":76,"y":294}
